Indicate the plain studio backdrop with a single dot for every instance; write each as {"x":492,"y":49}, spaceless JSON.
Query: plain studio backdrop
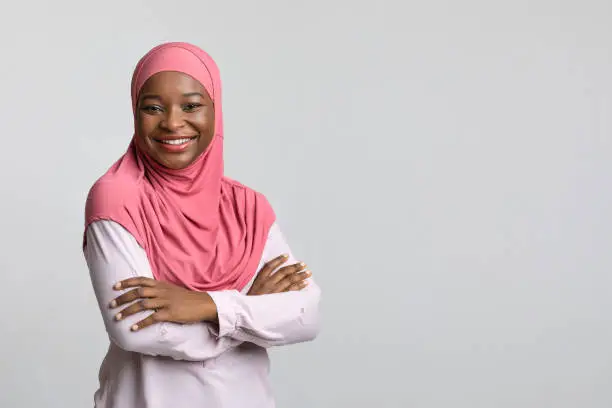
{"x":444,"y":167}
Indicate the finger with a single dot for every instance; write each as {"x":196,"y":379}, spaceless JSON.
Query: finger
{"x":272,"y":265}
{"x":287,"y":271}
{"x":140,"y":306}
{"x":132,"y":295}
{"x":297,"y":286}
{"x":293,"y":279}
{"x":148,"y":321}
{"x":134,"y":282}
{"x":272,"y":283}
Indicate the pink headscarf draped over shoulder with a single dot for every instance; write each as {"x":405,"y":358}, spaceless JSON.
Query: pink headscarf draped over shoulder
{"x":198,"y":228}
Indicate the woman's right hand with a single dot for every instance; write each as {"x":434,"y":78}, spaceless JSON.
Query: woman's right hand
{"x":286,"y":279}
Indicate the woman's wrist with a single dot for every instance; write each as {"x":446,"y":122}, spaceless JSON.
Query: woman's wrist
{"x":209,"y":308}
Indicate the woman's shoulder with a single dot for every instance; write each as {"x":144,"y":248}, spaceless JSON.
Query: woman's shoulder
{"x":109,"y":192}
{"x":240,"y":192}
{"x":112,"y":186}
{"x":233,"y":184}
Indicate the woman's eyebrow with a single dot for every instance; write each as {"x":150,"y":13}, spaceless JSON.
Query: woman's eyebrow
{"x":152,"y":96}
{"x":149,"y":96}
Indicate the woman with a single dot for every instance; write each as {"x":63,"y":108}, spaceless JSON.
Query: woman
{"x":191,"y":272}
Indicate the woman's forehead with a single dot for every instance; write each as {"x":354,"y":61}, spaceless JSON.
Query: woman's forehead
{"x":173,"y":82}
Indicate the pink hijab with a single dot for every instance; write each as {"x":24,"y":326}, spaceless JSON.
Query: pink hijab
{"x":199,"y":229}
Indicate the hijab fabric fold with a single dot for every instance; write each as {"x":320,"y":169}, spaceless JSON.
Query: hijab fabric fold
{"x":199,"y":229}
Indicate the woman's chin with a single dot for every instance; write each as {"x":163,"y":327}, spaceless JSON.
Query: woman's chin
{"x":176,"y":162}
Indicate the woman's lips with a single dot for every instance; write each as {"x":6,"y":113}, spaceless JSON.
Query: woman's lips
{"x":176,"y":144}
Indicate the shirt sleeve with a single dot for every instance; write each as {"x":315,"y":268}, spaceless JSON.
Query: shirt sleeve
{"x":112,"y":255}
{"x":274,"y":319}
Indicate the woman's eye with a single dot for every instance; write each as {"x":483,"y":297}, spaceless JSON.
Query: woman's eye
{"x":151,"y":109}
{"x":191,"y":106}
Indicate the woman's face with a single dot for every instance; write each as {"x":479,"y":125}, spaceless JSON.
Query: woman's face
{"x":175,"y":119}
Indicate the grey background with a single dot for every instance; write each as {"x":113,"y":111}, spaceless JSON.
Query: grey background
{"x":443,"y":166}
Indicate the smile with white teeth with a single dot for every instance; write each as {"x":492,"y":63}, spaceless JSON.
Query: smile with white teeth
{"x":177,"y":141}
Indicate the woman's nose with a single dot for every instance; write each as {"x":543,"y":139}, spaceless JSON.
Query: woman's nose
{"x":174,"y":119}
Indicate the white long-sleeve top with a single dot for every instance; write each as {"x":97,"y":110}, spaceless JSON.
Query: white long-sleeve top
{"x":199,"y":365}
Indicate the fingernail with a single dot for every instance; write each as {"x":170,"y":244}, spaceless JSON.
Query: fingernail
{"x":113,"y":303}
{"x":302,"y":264}
{"x":118,"y":316}
{"x":308,"y":273}
{"x":134,"y":327}
{"x":117,"y":286}
{"x":285,"y":256}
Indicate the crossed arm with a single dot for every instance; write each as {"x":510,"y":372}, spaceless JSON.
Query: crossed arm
{"x":113,"y":255}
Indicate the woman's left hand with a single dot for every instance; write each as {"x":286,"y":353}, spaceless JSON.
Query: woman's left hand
{"x":169,"y":303}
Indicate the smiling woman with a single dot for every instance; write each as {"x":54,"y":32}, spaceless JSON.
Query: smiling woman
{"x":175,"y":119}
{"x":192,"y":274}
